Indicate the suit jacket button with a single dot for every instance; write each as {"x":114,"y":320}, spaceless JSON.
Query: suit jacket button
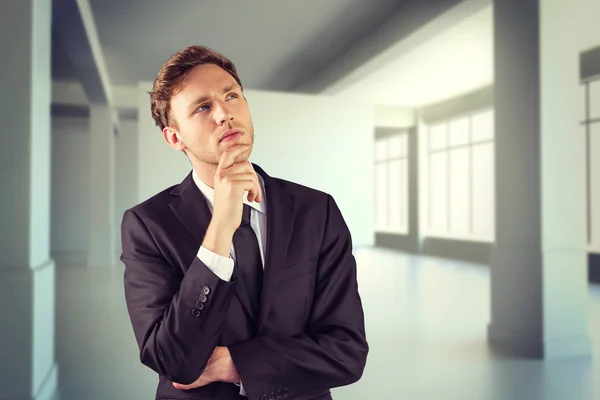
{"x":203,"y":298}
{"x":199,"y":305}
{"x":206,"y":290}
{"x":278,"y":394}
{"x":285,"y":392}
{"x":196,"y":312}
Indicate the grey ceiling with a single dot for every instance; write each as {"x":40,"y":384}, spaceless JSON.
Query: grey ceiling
{"x":277,"y":45}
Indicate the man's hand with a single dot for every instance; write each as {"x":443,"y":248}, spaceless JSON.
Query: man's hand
{"x":220,"y":368}
{"x":231,"y":181}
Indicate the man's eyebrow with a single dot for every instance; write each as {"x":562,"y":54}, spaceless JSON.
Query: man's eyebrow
{"x":202,"y":99}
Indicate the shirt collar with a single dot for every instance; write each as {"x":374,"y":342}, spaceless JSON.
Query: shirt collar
{"x":209,"y":194}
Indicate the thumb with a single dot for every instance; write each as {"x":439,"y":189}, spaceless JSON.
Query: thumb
{"x":180,"y":386}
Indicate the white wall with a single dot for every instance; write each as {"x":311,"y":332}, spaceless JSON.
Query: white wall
{"x":394,"y":117}
{"x":440,"y":60}
{"x":70,"y":185}
{"x":588,"y":30}
{"x":325,"y":143}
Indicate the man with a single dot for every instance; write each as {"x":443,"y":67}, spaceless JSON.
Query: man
{"x":238,"y":284}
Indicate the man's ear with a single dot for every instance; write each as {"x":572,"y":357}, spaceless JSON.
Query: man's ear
{"x":173,"y":138}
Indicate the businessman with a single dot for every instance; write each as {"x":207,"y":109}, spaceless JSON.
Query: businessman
{"x":238,"y":285}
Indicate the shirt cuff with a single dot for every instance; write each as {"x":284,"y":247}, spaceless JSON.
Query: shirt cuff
{"x":219,"y":265}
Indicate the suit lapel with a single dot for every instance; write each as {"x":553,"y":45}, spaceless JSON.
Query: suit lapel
{"x":192,"y":210}
{"x":280,"y":207}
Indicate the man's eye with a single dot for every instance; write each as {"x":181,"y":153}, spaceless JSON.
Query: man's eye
{"x":233,"y":95}
{"x":202,"y":108}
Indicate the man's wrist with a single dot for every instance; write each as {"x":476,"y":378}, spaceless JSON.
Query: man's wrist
{"x":218,"y":239}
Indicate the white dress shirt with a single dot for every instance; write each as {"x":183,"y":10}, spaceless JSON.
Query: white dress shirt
{"x":223,"y":266}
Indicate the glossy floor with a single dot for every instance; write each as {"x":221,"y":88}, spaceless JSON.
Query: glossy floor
{"x":426,"y":325}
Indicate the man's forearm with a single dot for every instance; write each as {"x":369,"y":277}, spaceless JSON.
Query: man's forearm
{"x":299,"y":364}
{"x":176,"y":321}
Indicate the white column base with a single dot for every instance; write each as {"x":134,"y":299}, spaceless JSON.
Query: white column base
{"x":49,"y":389}
{"x":27,"y":323}
{"x":530,"y":316}
{"x":522,"y":344}
{"x":513,"y":342}
{"x":70,"y":258}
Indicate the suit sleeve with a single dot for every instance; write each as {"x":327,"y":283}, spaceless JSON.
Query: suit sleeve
{"x":176,"y":317}
{"x":333,"y":350}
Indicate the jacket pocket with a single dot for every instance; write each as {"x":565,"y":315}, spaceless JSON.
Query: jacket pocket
{"x":298,"y":269}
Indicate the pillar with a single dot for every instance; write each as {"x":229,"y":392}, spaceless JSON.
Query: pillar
{"x":102,"y":251}
{"x":538,"y":263}
{"x":29,"y":369}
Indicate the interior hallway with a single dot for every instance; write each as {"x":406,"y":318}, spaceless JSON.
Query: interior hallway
{"x":426,"y":324}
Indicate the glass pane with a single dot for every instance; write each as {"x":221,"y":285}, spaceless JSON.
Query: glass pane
{"x":404,"y":145}
{"x":459,"y":193}
{"x":404,"y":196}
{"x":582,"y":103}
{"x":381,"y":149}
{"x":595,"y":184}
{"x":438,"y":137}
{"x":595,"y":99}
{"x":483,"y":192}
{"x":459,"y":132}
{"x":381,"y":190}
{"x":438,"y":189}
{"x":395,"y":146}
{"x":483,"y":126}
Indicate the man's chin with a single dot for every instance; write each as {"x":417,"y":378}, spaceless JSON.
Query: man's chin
{"x":230,"y":146}
{"x":242,"y":157}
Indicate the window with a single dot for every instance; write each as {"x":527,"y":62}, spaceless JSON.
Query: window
{"x":459,"y":178}
{"x":591,"y":130}
{"x":391,"y":184}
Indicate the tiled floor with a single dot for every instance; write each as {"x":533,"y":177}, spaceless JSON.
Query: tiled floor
{"x":426,"y":326}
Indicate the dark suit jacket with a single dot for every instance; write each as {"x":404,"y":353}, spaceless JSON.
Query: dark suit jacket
{"x":309,"y":335}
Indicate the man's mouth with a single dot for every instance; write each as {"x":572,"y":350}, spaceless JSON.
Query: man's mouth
{"x":230,"y":134}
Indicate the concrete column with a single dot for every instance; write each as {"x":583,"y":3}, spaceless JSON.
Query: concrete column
{"x":101,"y":250}
{"x":538,"y":263}
{"x":29,"y":369}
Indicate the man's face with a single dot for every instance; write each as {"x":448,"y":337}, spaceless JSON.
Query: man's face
{"x":210,"y":103}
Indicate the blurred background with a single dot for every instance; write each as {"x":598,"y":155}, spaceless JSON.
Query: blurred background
{"x":461,"y":140}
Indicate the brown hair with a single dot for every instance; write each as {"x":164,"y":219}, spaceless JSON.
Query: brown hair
{"x":172,"y":75}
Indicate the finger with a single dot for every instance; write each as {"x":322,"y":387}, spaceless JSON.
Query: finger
{"x":248,"y":184}
{"x":242,"y":176}
{"x":182,"y":387}
{"x":241,"y":167}
{"x":260,"y":193}
{"x":199,"y":383}
{"x":228,"y":157}
{"x":245,"y":178}
{"x":257,"y":194}
{"x":244,"y":171}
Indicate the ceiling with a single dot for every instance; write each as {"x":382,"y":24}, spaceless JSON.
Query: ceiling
{"x":276,"y":45}
{"x":457,"y":60}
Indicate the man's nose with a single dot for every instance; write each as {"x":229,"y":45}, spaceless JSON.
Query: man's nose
{"x":222,"y":113}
